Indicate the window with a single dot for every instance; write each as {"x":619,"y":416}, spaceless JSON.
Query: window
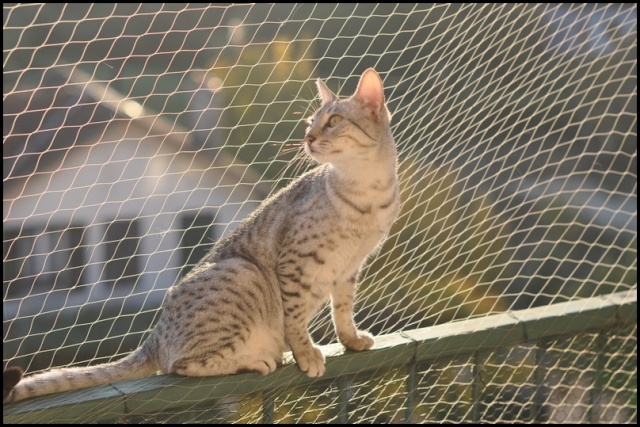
{"x":122,"y":240}
{"x":38,"y":261}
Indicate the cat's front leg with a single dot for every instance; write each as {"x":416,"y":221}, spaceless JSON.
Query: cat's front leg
{"x":342,"y":297}
{"x":296,"y":317}
{"x":310,"y":359}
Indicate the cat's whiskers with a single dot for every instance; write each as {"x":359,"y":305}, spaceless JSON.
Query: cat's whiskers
{"x":288,"y":147}
{"x":300,"y":162}
{"x":299,"y":159}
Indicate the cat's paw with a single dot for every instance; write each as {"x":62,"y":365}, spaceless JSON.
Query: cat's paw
{"x":262,"y":367}
{"x":311,"y":361}
{"x":361,"y":341}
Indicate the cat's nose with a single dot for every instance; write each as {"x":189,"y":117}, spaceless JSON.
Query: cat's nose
{"x":309,"y":138}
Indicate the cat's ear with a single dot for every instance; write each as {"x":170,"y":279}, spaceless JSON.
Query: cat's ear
{"x":325,"y":93}
{"x":371,"y":94}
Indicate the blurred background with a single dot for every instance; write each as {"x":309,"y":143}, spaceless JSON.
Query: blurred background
{"x":135,"y":136}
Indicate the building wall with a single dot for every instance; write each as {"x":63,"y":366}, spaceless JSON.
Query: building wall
{"x":124,"y":176}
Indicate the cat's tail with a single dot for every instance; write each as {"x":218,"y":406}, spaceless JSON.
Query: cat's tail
{"x":138,"y":364}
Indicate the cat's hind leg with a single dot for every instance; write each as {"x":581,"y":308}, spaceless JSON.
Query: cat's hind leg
{"x":217,"y":365}
{"x":235,"y":327}
{"x":260,"y":353}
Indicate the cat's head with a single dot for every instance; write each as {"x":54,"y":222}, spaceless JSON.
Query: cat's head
{"x":357,"y":128}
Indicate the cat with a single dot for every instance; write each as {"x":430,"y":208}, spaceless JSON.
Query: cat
{"x":251,"y":297}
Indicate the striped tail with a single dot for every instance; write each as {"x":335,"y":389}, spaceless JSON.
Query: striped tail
{"x":136,"y":365}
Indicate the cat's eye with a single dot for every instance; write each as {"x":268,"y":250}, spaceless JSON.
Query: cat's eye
{"x":334,"y":120}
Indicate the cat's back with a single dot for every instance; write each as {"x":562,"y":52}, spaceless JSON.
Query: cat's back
{"x":259,"y":235}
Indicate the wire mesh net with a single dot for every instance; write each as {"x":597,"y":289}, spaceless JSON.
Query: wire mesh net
{"x":135,"y":136}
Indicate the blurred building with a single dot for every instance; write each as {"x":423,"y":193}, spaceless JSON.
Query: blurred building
{"x":99,"y":192}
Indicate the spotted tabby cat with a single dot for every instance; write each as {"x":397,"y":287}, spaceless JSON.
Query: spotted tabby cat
{"x":253,"y":295}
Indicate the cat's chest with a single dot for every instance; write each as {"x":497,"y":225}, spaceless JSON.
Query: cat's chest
{"x":330,"y":253}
